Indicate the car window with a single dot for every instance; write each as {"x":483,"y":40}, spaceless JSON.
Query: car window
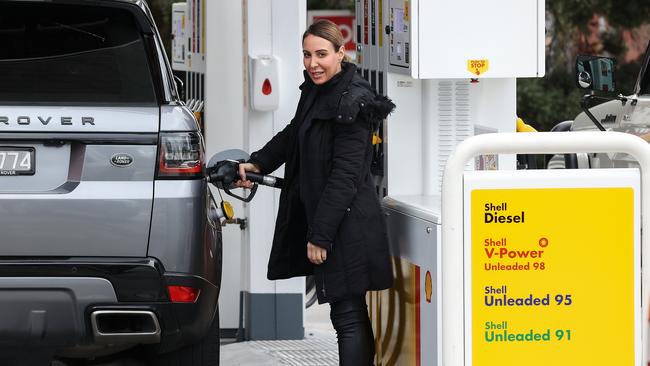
{"x":56,"y":53}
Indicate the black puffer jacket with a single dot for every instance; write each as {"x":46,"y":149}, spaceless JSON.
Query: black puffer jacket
{"x":329,"y":197}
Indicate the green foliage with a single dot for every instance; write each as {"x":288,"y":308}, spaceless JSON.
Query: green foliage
{"x":626,"y":14}
{"x":544,"y":102}
{"x":620,"y":14}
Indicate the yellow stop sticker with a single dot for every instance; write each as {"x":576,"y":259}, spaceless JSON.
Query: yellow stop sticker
{"x":477,"y":67}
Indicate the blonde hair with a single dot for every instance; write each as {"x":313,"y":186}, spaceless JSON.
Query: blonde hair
{"x":326,"y":29}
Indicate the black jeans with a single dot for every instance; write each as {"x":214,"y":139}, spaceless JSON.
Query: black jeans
{"x":354,"y":332}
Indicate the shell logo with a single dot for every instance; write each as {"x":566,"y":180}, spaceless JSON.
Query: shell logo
{"x":428,"y":286}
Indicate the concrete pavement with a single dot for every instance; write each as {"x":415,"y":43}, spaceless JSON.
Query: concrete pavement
{"x":318,"y":348}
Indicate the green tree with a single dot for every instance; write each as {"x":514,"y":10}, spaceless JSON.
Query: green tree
{"x":544,"y":102}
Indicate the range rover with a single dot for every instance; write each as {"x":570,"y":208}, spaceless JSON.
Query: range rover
{"x":106,"y":237}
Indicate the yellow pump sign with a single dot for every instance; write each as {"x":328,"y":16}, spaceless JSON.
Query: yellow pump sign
{"x":552,"y":276}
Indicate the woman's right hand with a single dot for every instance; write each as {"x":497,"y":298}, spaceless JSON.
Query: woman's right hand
{"x":243,"y":168}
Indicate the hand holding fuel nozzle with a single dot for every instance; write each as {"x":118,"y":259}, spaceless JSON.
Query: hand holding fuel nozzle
{"x":243,"y":168}
{"x":250,"y":173}
{"x":230,"y":172}
{"x":225,"y":173}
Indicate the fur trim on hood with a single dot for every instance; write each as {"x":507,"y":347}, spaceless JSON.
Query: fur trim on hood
{"x":377,"y":109}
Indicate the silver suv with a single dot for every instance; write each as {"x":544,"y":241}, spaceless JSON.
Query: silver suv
{"x":105,"y":234}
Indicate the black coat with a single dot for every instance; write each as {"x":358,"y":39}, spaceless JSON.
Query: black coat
{"x":329,"y":196}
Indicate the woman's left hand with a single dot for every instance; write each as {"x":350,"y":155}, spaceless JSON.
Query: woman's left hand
{"x":316,"y":254}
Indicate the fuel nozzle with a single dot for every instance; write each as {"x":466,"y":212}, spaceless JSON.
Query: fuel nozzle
{"x":224,"y":173}
{"x":227,"y":172}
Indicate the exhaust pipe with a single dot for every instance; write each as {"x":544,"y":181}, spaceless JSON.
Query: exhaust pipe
{"x":125,"y":326}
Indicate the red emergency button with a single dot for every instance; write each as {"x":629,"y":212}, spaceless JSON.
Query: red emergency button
{"x":266,"y":87}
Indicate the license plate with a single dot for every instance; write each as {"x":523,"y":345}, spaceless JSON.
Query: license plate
{"x":16,"y":160}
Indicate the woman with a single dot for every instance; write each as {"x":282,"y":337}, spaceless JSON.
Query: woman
{"x":329,"y":221}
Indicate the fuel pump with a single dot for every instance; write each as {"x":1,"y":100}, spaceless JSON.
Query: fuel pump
{"x":451,"y":69}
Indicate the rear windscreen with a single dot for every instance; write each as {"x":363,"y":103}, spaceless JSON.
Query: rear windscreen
{"x":55,"y":53}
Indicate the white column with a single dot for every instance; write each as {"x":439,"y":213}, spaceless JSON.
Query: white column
{"x":274,"y":28}
{"x":225,"y":118}
{"x":236,"y":31}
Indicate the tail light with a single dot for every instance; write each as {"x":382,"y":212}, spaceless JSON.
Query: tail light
{"x":181,"y":155}
{"x":183,"y":293}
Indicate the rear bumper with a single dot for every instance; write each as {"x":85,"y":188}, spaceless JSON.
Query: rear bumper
{"x":48,"y":303}
{"x":39,"y":311}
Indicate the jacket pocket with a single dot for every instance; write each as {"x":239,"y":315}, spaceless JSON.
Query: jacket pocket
{"x":351,"y":227}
